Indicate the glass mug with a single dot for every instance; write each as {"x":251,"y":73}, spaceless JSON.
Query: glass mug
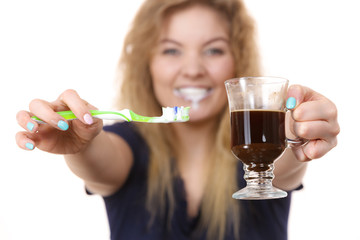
{"x":257,"y":113}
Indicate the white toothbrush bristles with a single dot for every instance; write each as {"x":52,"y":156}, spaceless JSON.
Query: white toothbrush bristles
{"x":177,"y":114}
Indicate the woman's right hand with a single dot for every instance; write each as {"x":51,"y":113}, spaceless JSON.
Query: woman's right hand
{"x":58,"y":135}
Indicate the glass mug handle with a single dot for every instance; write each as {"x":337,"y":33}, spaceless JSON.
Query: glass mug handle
{"x":297,"y":141}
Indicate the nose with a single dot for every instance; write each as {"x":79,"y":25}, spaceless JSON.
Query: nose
{"x":193,"y":66}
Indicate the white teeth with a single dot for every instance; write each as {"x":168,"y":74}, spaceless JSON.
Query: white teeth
{"x":192,"y":94}
{"x":192,"y":91}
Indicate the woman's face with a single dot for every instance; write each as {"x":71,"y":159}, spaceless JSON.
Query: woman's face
{"x":192,"y":60}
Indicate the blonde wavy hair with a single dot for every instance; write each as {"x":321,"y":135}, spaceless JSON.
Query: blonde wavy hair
{"x":218,"y":210}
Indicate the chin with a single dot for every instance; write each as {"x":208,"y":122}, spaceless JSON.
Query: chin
{"x":201,"y":115}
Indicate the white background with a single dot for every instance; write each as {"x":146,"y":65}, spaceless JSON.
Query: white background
{"x":49,"y":46}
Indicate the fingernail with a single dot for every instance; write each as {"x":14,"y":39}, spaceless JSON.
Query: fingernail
{"x":88,"y":119}
{"x":63,"y":125}
{"x":291,"y":103}
{"x":30,"y":126}
{"x":29,"y":146}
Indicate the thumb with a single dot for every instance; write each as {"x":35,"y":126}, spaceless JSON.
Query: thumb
{"x":298,"y":94}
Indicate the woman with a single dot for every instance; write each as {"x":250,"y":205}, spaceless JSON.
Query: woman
{"x":174,"y":181}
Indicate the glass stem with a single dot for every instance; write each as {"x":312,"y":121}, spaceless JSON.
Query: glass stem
{"x":257,"y":179}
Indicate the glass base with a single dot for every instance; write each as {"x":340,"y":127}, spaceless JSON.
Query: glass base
{"x":259,"y":193}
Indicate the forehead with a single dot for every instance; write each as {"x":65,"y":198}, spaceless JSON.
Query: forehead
{"x":195,"y":22}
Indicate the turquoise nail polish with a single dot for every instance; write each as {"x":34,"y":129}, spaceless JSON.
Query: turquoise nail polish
{"x":30,"y":126}
{"x":63,"y":125}
{"x":29,"y":146}
{"x":291,"y":103}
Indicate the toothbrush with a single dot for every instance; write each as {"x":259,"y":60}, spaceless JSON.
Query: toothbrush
{"x":169,"y":114}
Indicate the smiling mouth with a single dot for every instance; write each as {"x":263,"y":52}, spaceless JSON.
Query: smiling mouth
{"x":193,"y":94}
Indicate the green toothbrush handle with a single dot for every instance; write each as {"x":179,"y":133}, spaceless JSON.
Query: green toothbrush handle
{"x":69,"y":115}
{"x":175,"y":114}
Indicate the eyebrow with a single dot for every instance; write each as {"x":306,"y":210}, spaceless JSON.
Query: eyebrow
{"x":168,"y":40}
{"x":216,"y":39}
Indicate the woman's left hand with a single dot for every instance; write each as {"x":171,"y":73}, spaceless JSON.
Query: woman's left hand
{"x":314,"y":117}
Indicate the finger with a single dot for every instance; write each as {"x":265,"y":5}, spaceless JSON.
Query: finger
{"x":45,"y":111}
{"x":77,"y":105}
{"x":322,"y":109}
{"x":310,"y":105}
{"x":24,"y":120}
{"x":313,"y":150}
{"x":315,"y":130}
{"x":24,"y":141}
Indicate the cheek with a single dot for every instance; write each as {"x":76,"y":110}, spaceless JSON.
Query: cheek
{"x":223,"y":70}
{"x":162,"y":72}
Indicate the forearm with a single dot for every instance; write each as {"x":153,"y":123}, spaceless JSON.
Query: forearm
{"x":100,"y":165}
{"x":289,"y":171}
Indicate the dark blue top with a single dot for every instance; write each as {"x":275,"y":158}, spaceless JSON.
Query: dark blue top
{"x":129,"y":219}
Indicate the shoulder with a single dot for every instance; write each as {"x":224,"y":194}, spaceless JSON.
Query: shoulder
{"x":128,"y":133}
{"x":125,"y":130}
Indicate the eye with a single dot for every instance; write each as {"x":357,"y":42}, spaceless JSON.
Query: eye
{"x":171,"y":51}
{"x":214,"y":51}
